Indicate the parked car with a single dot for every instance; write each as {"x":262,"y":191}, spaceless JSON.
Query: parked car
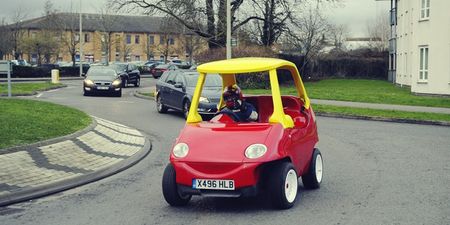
{"x":224,"y":157}
{"x":160,"y":69}
{"x":180,"y":63}
{"x":129,"y":74}
{"x":102,"y":79}
{"x":20,"y":62}
{"x":149,"y":66}
{"x":174,"y":90}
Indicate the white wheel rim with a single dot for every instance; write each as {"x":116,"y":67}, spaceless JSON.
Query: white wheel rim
{"x":319,"y":168}
{"x":290,"y":186}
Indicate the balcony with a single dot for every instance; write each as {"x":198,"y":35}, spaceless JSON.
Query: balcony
{"x":393,"y":12}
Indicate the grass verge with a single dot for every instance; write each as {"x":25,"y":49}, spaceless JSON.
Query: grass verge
{"x":381,"y":113}
{"x":27,"y":88}
{"x":359,"y":90}
{"x":28,"y":121}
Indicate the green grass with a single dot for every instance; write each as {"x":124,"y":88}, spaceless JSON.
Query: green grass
{"x":29,"y":121}
{"x":27,"y":88}
{"x":351,"y":111}
{"x":358,"y":90}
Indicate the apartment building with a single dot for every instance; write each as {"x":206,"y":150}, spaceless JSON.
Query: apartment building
{"x":420,"y":45}
{"x":111,"y":37}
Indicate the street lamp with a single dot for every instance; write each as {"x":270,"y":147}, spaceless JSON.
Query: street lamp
{"x":81,"y":42}
{"x":228,"y":30}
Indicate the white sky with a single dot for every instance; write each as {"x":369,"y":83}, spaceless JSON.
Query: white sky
{"x":354,"y":13}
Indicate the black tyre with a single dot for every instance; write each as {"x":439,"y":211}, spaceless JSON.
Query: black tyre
{"x":118,"y":94}
{"x":186,"y":106}
{"x":313,"y":178}
{"x":170,"y":188}
{"x":138,"y":82}
{"x":85,"y":93}
{"x":160,"y":106}
{"x":283,"y":185}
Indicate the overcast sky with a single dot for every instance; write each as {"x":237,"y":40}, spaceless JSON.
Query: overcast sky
{"x":354,"y":13}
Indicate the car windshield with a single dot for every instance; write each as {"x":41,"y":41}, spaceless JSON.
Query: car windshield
{"x":120,"y":67}
{"x":101,"y":73}
{"x":212,"y":80}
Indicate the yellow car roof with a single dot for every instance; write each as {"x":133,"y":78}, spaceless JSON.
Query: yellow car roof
{"x":243,"y":65}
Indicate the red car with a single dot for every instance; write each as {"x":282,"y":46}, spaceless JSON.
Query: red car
{"x":226,"y":158}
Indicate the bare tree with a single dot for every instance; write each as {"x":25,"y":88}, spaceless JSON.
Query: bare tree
{"x":106,"y":22}
{"x":193,"y":14}
{"x":378,"y":30}
{"x":5,"y":38}
{"x":307,"y":34}
{"x":169,"y":31}
{"x":17,"y":33}
{"x":192,"y":45}
{"x":337,"y":35}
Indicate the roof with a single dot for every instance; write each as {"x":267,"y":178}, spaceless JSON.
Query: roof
{"x":243,"y":65}
{"x":111,"y":23}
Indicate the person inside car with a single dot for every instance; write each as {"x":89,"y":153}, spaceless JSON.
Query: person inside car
{"x":236,"y":106}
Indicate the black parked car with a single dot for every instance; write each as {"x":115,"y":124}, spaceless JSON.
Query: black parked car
{"x":160,"y":69}
{"x":175,"y":89}
{"x":102,"y":79}
{"x":129,"y":73}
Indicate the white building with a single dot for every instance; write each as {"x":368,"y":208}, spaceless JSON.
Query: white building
{"x":420,"y":45}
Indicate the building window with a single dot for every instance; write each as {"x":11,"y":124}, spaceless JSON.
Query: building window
{"x":423,"y":70}
{"x":425,"y":9}
{"x":136,"y":39}
{"x":77,"y":37}
{"x":161,"y":40}
{"x":128,"y":39}
{"x":137,"y":58}
{"x":86,"y":38}
{"x":171,"y":41}
{"x":151,"y":40}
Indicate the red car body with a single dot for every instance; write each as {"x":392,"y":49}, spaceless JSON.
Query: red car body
{"x":214,"y":159}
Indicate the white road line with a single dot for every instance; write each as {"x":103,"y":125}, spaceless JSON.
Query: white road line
{"x":39,"y":95}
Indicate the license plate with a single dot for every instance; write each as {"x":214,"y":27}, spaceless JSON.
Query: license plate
{"x":102,"y":88}
{"x":213,"y":184}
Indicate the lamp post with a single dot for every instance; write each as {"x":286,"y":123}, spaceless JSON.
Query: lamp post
{"x":228,"y":30}
{"x":81,"y":42}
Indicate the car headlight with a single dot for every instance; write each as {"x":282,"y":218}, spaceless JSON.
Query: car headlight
{"x":180,"y":150}
{"x":203,"y":99}
{"x":255,"y":151}
{"x":116,"y":82}
{"x":89,"y":82}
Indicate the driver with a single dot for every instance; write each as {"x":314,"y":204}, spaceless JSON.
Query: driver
{"x":235,"y":103}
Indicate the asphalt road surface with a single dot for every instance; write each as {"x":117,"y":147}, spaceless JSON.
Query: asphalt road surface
{"x":374,"y":173}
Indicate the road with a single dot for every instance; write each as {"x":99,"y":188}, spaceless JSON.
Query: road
{"x":374,"y":173}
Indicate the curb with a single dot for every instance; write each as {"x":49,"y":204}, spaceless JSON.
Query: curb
{"x":371,"y":118}
{"x":138,"y":95}
{"x":382,"y":119}
{"x":44,"y":190}
{"x":34,"y":92}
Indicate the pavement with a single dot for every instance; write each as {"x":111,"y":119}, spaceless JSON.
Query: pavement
{"x":102,"y":149}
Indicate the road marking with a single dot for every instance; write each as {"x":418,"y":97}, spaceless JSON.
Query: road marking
{"x":39,"y":95}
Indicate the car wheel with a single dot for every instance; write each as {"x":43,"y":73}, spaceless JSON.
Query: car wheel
{"x":124,"y":82}
{"x":186,"y":106}
{"x":170,"y":188}
{"x":313,"y":178}
{"x":85,"y":93}
{"x":119,"y":93}
{"x":160,"y":106}
{"x":283,"y":185}
{"x":138,"y":82}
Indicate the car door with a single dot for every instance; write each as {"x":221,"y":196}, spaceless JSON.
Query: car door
{"x":132,"y":73}
{"x":167,"y":88}
{"x":179,"y":90}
